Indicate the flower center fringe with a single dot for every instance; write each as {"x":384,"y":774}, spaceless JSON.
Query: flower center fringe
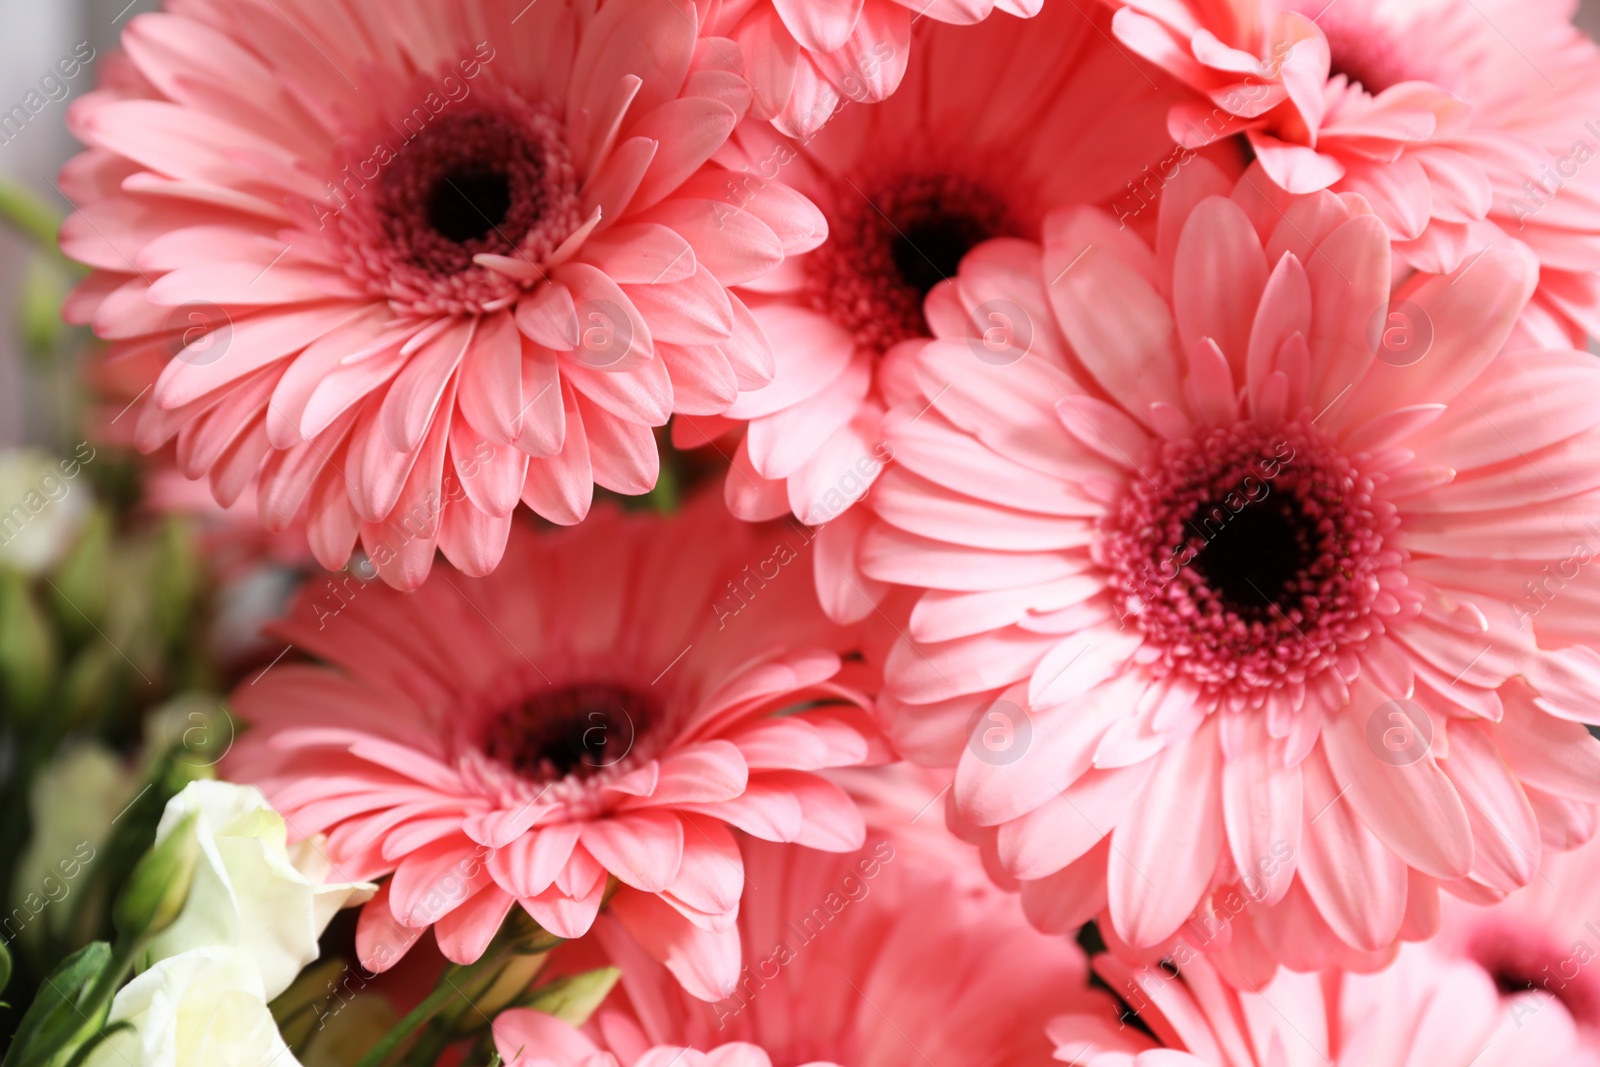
{"x":493,"y":179}
{"x":1251,"y":558}
{"x":891,"y":245}
{"x":571,"y":732}
{"x":1374,"y":56}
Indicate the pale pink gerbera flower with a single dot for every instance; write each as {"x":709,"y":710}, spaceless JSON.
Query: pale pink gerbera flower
{"x":1424,"y":1009}
{"x":407,"y":264}
{"x":1217,"y":617}
{"x":1542,"y":941}
{"x":807,"y":59}
{"x":971,"y":149}
{"x":886,"y":958}
{"x":599,"y":712}
{"x":1462,"y":124}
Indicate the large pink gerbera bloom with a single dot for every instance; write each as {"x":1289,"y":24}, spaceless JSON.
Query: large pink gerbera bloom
{"x":970,"y":149}
{"x":1424,"y":1009}
{"x":1462,"y":124}
{"x":808,"y":59}
{"x":885,"y":958}
{"x":406,"y":264}
{"x":599,"y":712}
{"x":1222,"y":611}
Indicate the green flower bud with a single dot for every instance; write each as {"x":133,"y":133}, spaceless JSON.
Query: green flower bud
{"x":573,"y":999}
{"x":93,"y":684}
{"x":175,"y":582}
{"x":27,"y":648}
{"x":159,"y":886}
{"x":82,"y":584}
{"x":511,"y":984}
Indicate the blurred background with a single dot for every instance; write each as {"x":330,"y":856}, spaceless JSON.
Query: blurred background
{"x":32,"y":401}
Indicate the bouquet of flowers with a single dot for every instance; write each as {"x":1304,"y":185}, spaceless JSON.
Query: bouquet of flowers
{"x":776,"y":532}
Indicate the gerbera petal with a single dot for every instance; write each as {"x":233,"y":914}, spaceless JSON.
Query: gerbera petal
{"x":1163,"y":854}
{"x":1410,"y":806}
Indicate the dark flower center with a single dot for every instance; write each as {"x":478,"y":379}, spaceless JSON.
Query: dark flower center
{"x":572,"y":731}
{"x":1370,"y":72}
{"x":467,"y":204}
{"x":1253,"y":558}
{"x":471,"y":183}
{"x":1509,"y":983}
{"x":892,"y":242}
{"x":416,"y":201}
{"x":930,"y":250}
{"x":1248,"y":556}
{"x":1520,"y":960}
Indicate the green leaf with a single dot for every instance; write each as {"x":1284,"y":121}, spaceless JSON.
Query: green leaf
{"x":53,"y":1017}
{"x":5,"y":967}
{"x":665,"y":496}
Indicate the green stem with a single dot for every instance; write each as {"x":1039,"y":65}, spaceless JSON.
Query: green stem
{"x":31,"y":215}
{"x":430,"y":1045}
{"x":418,"y":1016}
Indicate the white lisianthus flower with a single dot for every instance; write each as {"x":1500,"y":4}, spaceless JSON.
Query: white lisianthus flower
{"x":203,"y":1008}
{"x":41,"y":507}
{"x":251,"y":891}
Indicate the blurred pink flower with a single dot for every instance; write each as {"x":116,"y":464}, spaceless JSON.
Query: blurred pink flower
{"x":971,"y":148}
{"x":410,"y":264}
{"x":807,"y":59}
{"x":602,"y":708}
{"x":1543,"y":940}
{"x":888,"y":957}
{"x":1227,"y":608}
{"x":1423,"y":1009}
{"x":1464,"y":126}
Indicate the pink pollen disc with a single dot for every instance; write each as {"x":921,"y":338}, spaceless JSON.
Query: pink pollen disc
{"x":569,"y":731}
{"x":1366,"y":52}
{"x":527,"y":739}
{"x":412,"y":206}
{"x":893,"y":240}
{"x":1250,"y":558}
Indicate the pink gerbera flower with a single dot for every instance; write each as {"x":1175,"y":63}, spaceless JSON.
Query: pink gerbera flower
{"x":597,"y":713}
{"x":403,"y":265}
{"x":1226,"y":616}
{"x":884,"y":958}
{"x":970,"y":149}
{"x":1542,"y":941}
{"x":1463,"y":125}
{"x":807,"y":59}
{"x":1423,"y":1009}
